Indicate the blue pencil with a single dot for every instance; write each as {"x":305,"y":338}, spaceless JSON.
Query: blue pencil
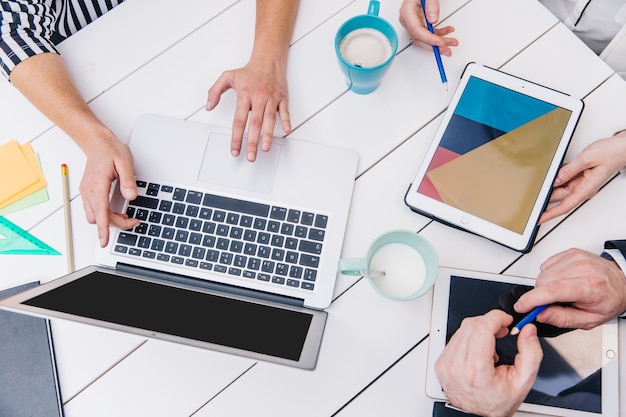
{"x":442,"y":72}
{"x":529,"y":318}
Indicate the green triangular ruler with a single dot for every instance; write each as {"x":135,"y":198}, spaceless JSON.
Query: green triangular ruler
{"x":17,"y":241}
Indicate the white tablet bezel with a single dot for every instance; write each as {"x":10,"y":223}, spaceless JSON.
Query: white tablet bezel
{"x":457,"y":218}
{"x":610,"y":368}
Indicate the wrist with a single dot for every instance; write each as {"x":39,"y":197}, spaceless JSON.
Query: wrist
{"x":616,"y":249}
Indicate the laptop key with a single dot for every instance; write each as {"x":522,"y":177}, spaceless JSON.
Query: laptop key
{"x":127,"y":239}
{"x":142,"y":229}
{"x":169,"y":220}
{"x":293,"y":216}
{"x":179,"y":194}
{"x":165,"y":205}
{"x":278,"y":213}
{"x":145,"y":202}
{"x":310,"y":274}
{"x":212,"y":255}
{"x":158,"y":245}
{"x":321,"y":221}
{"x":178,"y":208}
{"x":316,"y":234}
{"x":198,"y":252}
{"x":153,"y":189}
{"x":309,"y":260}
{"x":234,"y":271}
{"x":278,"y":280}
{"x":155,"y":217}
{"x":195,"y":238}
{"x":121,"y":249}
{"x":307,"y":219}
{"x":194,"y":197}
{"x":233,"y":204}
{"x":168,"y":233}
{"x":144,"y":242}
{"x":310,"y":247}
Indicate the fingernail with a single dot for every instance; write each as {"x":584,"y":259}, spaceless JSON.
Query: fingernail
{"x":127,"y":194}
{"x":234,"y":152}
{"x":209,"y":104}
{"x":102,"y":243}
{"x":251,"y":156}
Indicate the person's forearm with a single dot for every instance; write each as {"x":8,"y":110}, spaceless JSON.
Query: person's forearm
{"x":273,"y":29}
{"x":45,"y":81}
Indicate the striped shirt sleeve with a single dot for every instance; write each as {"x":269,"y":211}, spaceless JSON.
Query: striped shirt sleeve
{"x":31,"y":27}
{"x":25,"y":30}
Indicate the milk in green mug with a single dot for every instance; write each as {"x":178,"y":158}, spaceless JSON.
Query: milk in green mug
{"x":400,"y":264}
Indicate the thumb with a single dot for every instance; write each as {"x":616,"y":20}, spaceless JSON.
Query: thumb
{"x":529,"y":355}
{"x":569,"y":171}
{"x":223,"y":83}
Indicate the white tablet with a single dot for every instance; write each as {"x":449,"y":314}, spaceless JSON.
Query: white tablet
{"x":492,"y":162}
{"x":579,"y":372}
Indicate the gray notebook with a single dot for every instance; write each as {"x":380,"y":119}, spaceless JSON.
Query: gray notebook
{"x":28,"y":379}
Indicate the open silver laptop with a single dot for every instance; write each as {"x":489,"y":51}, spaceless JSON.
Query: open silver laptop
{"x":230,"y":255}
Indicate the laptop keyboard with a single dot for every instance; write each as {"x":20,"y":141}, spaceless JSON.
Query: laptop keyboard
{"x":241,"y":239}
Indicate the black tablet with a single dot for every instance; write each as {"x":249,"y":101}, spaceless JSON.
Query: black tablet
{"x":579,"y":372}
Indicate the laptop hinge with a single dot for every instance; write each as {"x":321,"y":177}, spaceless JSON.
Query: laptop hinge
{"x":210,"y":285}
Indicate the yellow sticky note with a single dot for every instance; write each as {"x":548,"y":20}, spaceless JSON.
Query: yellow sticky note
{"x":20,"y":172}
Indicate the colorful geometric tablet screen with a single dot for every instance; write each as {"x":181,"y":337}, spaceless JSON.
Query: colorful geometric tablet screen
{"x":495,"y":153}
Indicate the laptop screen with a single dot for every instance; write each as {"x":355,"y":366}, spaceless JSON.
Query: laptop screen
{"x":180,"y":312}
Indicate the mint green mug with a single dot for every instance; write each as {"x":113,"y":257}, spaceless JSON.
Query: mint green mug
{"x":400,"y":264}
{"x":365,"y":46}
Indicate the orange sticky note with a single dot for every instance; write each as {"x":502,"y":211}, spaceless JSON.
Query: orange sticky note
{"x":20,"y":173}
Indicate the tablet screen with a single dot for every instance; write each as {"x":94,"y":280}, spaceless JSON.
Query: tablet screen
{"x":494,"y":154}
{"x":494,"y":157}
{"x":571,"y":371}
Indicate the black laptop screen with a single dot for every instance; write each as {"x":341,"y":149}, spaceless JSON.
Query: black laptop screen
{"x":175,"y":311}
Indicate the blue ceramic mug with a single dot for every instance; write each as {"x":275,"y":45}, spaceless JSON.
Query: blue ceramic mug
{"x":365,"y":46}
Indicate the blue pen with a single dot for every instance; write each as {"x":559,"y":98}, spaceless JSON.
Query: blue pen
{"x":442,"y":73}
{"x":529,"y":318}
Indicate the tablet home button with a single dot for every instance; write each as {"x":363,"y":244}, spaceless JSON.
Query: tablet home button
{"x":610,"y":354}
{"x":465,"y":220}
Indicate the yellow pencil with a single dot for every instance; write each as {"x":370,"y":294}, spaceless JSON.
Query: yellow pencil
{"x":69,"y":241}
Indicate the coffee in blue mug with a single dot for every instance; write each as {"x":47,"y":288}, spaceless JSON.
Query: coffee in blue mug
{"x":366,"y":46}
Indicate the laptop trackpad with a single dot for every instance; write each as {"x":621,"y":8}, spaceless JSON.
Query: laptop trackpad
{"x":220,"y":168}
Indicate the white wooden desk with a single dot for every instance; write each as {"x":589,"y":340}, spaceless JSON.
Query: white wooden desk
{"x":373,"y":356}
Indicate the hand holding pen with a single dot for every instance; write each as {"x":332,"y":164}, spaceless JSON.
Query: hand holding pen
{"x":583,"y":289}
{"x":414,"y":19}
